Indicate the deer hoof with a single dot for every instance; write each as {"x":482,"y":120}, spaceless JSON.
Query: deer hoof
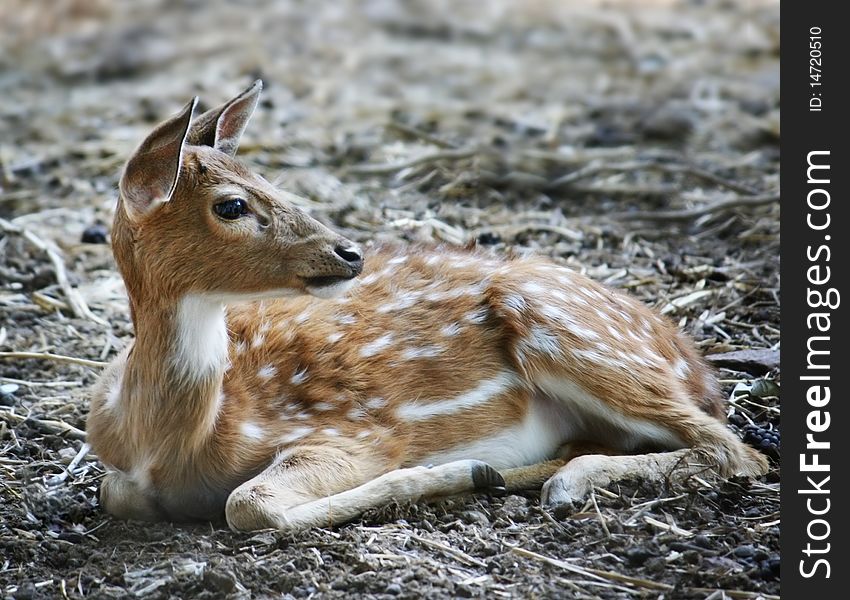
{"x":485,"y":477}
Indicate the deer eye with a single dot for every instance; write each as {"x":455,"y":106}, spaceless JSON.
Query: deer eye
{"x":231,"y":209}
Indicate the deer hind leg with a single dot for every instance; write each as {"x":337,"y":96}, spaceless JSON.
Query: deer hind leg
{"x":692,"y":442}
{"x":322,"y":487}
{"x":123,"y":498}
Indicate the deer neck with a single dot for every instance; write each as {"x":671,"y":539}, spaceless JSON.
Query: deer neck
{"x":175,"y":370}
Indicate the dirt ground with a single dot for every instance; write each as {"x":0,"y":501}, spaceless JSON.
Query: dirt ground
{"x":637,"y":141}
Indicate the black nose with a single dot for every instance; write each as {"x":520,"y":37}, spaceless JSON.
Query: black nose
{"x":351,"y":255}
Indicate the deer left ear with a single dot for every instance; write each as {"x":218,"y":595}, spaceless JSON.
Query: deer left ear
{"x":223,"y":126}
{"x":150,"y":176}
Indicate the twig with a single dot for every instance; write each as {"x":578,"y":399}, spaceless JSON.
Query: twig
{"x":55,"y":358}
{"x":733,"y":593}
{"x":599,"y":513}
{"x":693,"y":213}
{"x":48,"y":425}
{"x":75,"y":383}
{"x":643,"y":165}
{"x":69,"y":470}
{"x":75,"y":300}
{"x":458,"y":554}
{"x":666,"y":527}
{"x":418,"y":133}
{"x":592,"y":573}
{"x":511,"y":231}
{"x":385,"y":168}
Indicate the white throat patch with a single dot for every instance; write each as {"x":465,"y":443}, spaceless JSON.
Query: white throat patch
{"x":201,"y":345}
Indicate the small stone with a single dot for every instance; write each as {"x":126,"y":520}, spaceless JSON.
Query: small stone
{"x":488,"y":238}
{"x":669,"y":125}
{"x":744,"y":551}
{"x":95,"y":234}
{"x":26,"y":591}
{"x":393,"y":589}
{"x":637,"y":556}
{"x":476,"y":517}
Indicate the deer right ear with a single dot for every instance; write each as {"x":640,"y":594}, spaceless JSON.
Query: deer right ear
{"x":151,"y":173}
{"x":222,"y":126}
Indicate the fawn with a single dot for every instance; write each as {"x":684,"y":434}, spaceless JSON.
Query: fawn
{"x":270,"y":384}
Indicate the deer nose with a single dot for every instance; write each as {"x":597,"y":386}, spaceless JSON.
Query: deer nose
{"x":352,"y":255}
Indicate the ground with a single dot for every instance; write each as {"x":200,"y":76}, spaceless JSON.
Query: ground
{"x":637,"y":141}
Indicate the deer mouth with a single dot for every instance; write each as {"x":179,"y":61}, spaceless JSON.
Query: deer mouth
{"x":329,"y":286}
{"x":324,"y":281}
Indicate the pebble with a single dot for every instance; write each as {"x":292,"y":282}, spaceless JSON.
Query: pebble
{"x":476,"y":517}
{"x":744,"y":551}
{"x":637,"y":556}
{"x":7,"y":394}
{"x":218,"y":581}
{"x":95,"y":234}
{"x":393,"y":589}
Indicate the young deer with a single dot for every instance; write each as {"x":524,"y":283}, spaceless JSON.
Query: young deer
{"x":258,"y":389}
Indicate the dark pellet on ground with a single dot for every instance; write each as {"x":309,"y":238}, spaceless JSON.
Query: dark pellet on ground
{"x":95,"y":234}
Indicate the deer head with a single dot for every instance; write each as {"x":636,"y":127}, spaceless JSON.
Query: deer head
{"x":183,"y":197}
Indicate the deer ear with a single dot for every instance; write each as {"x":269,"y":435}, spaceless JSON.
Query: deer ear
{"x":150,"y":175}
{"x":222,"y":127}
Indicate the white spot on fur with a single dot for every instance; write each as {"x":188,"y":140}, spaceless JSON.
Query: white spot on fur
{"x":397,"y":260}
{"x":421,"y":352}
{"x":302,"y":316}
{"x":403,"y":301}
{"x":299,"y":377}
{"x":516,"y":303}
{"x":450,"y":330}
{"x":252,"y":431}
{"x":322,"y":406}
{"x":563,"y":318}
{"x":259,"y":340}
{"x":540,"y":340}
{"x":241,"y":347}
{"x":477,"y":316}
{"x":376,"y":402}
{"x":372,"y":348}
{"x":532,"y":288}
{"x":201,"y":345}
{"x":295,"y":434}
{"x":614,"y":333}
{"x":334,"y":337}
{"x":369,"y":279}
{"x":346,"y":319}
{"x":486,"y":390}
{"x":267,"y":372}
{"x":646,"y":360}
{"x":432,"y":260}
{"x":330,"y":432}
{"x":364,"y":434}
{"x":596,"y":358}
{"x":355,"y":413}
{"x":681,"y":368}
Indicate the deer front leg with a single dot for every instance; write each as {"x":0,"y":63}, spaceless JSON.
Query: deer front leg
{"x":323,"y":487}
